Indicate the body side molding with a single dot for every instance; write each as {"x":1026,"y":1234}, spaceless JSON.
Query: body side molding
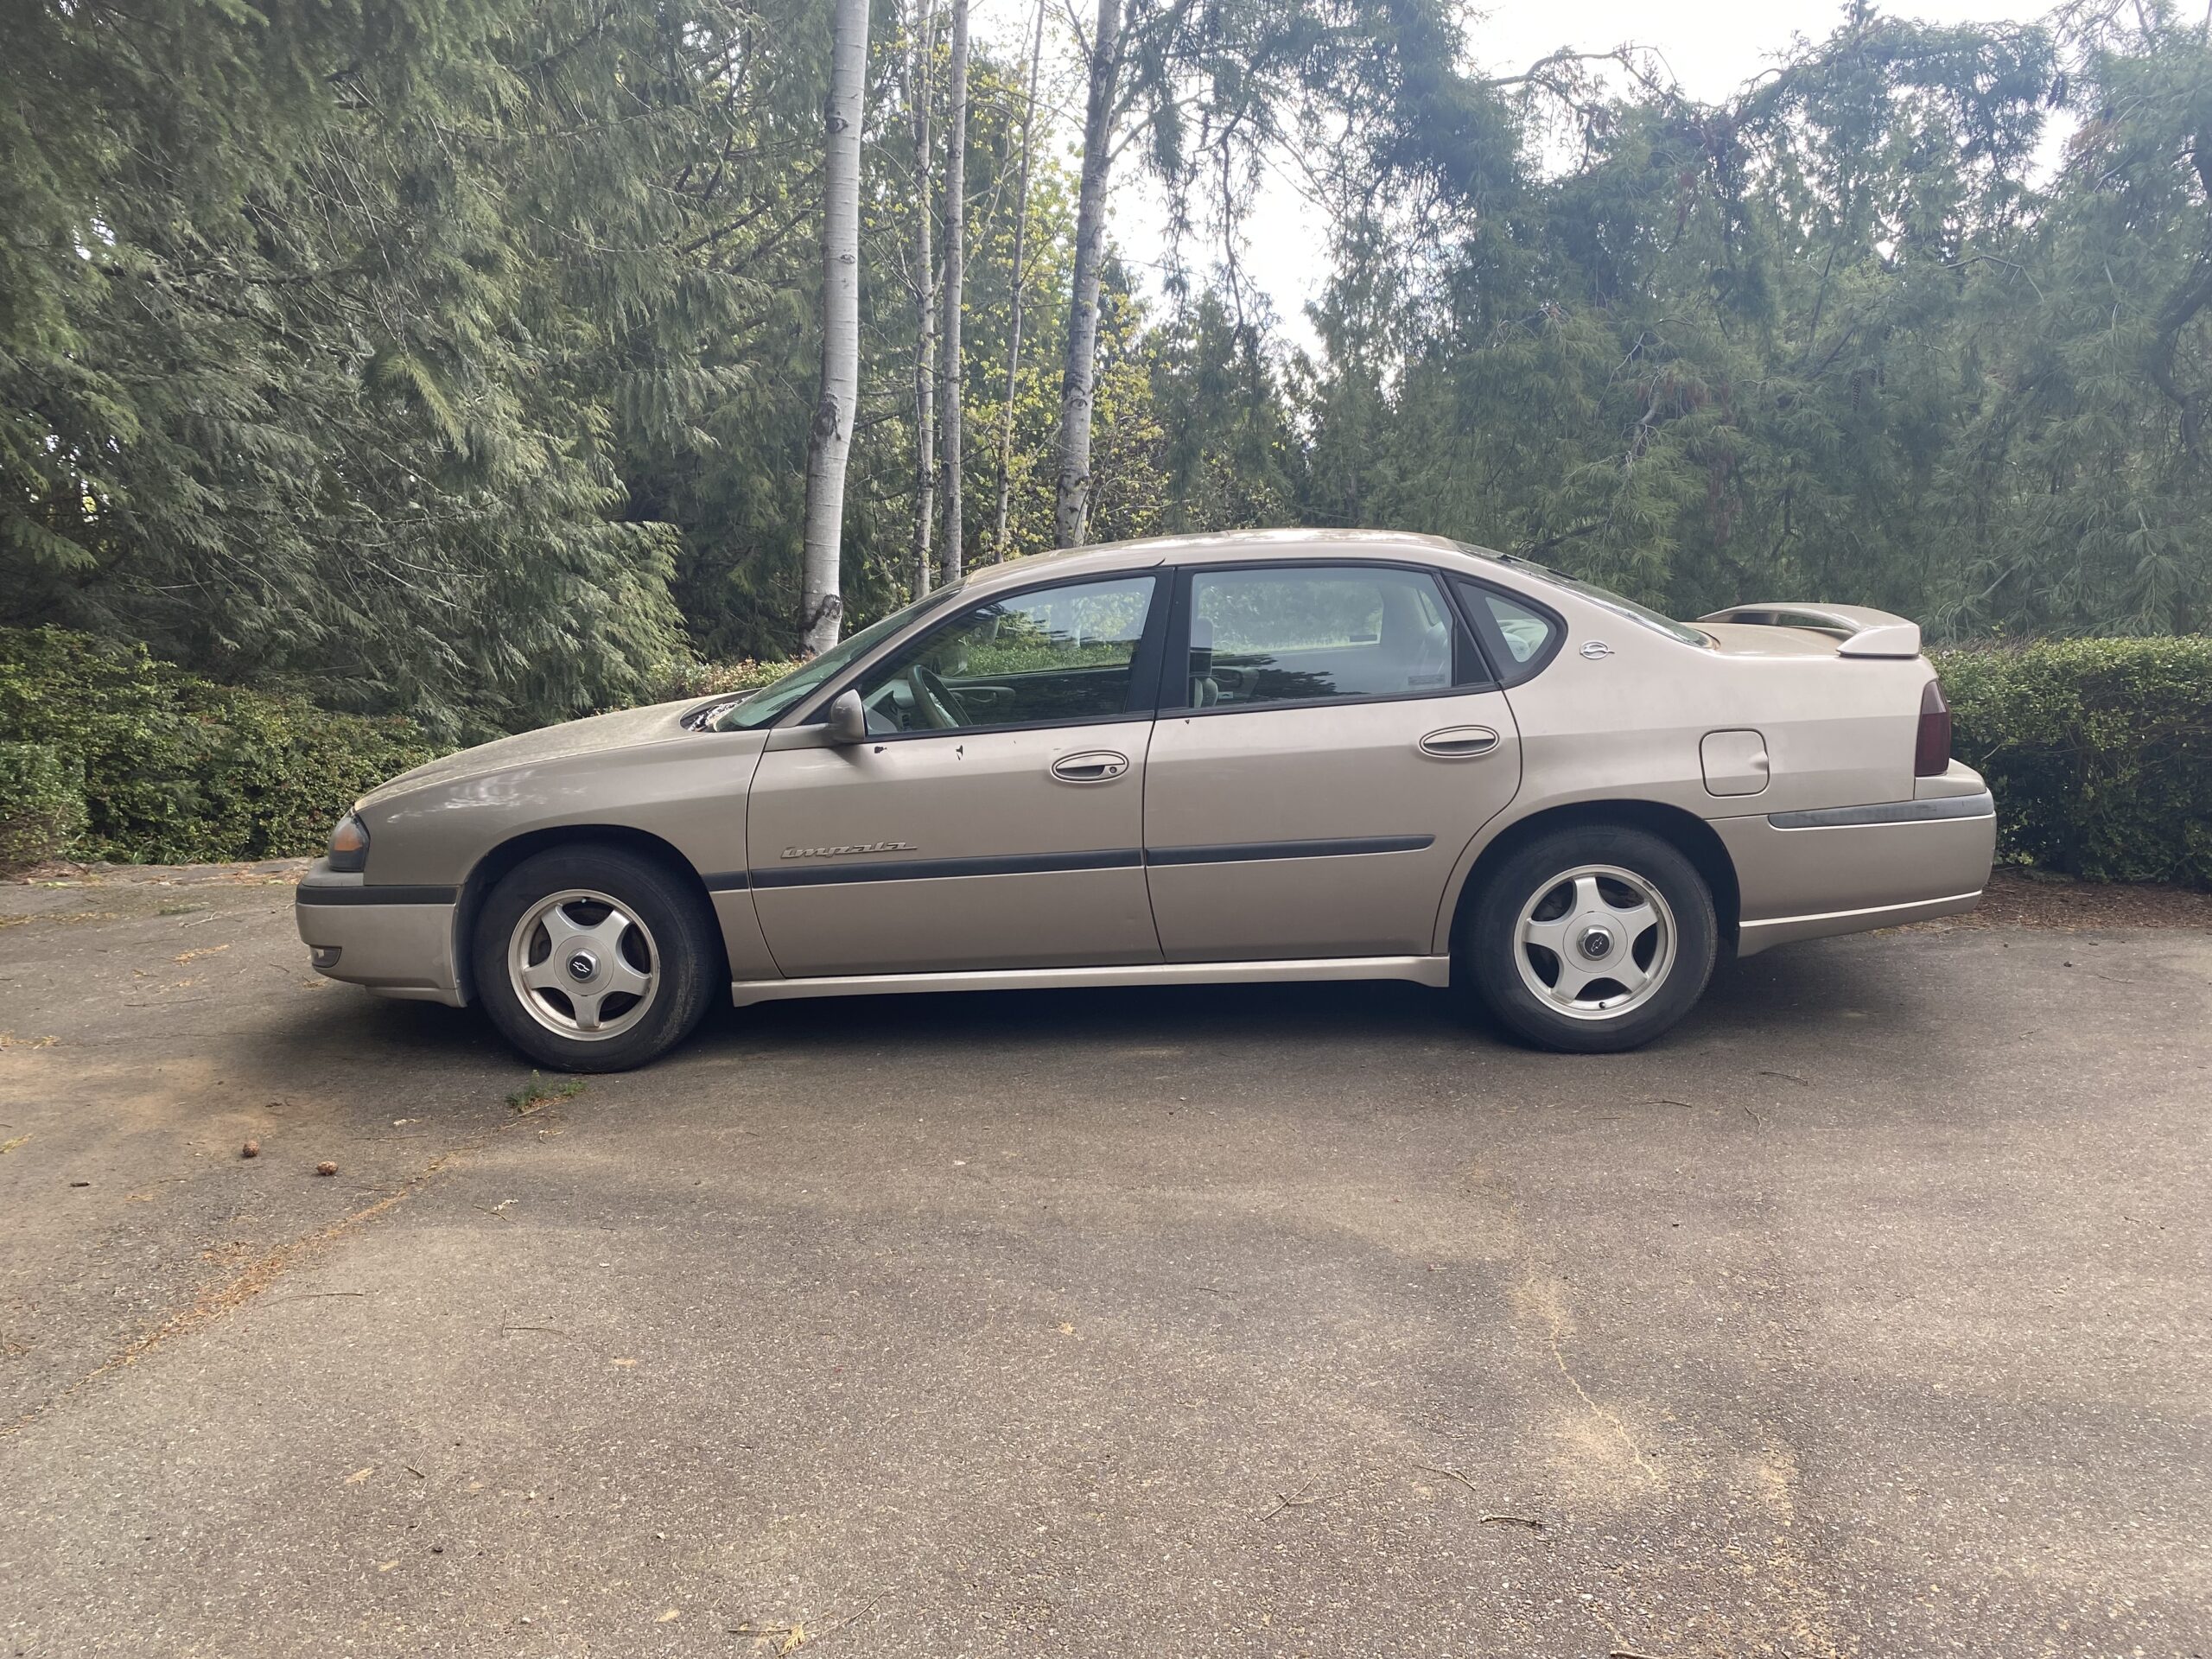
{"x":1943,"y":806}
{"x":1105,"y":858}
{"x":1423,"y":970}
{"x":391,"y":894}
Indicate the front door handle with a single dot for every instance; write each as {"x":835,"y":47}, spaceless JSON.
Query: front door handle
{"x":1459,"y":742}
{"x":1091,"y":766}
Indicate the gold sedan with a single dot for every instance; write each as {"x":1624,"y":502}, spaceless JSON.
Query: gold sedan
{"x":1263,"y":756}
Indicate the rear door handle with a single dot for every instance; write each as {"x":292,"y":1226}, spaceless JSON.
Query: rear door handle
{"x":1459,"y":742}
{"x":1091,"y":766}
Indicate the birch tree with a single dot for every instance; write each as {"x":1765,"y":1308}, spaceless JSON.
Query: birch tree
{"x":956,"y":240}
{"x":829,"y":442}
{"x":1206,"y":83}
{"x":1079,"y":367}
{"x":1018,"y":286}
{"x":925,"y":288}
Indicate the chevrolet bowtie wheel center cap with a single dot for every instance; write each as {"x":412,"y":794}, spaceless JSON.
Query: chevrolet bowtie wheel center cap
{"x":584,"y":966}
{"x":1595,"y":942}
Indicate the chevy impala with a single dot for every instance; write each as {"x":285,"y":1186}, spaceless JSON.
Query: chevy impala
{"x":1255,"y":757}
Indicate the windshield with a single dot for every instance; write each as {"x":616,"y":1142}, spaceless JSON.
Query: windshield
{"x":1613,"y":601}
{"x":765,"y":705}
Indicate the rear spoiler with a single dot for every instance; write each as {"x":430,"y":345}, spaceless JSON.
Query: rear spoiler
{"x":1864,"y":632}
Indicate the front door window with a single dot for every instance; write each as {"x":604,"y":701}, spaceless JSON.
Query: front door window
{"x":1044,"y":657}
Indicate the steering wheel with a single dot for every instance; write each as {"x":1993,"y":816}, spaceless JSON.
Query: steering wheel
{"x":934,"y":698}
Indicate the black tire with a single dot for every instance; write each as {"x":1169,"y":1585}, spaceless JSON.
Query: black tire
{"x":684,"y":953}
{"x":1492,"y":951}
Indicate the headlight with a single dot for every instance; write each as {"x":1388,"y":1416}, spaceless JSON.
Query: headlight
{"x":349,"y":845}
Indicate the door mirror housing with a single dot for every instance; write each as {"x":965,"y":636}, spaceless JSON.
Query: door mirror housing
{"x":848,"y":719}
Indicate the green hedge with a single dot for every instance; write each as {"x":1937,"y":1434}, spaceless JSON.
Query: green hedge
{"x":2100,"y":752}
{"x":176,"y":769}
{"x":42,"y":805}
{"x":712,"y":679}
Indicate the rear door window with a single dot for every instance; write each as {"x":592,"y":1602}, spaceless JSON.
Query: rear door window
{"x":1305,"y":633}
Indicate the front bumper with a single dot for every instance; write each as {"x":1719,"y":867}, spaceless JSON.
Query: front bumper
{"x":1808,"y":875}
{"x":397,"y":941}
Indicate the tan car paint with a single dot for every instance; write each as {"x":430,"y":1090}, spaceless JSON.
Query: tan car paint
{"x":1736,"y":764}
{"x":688,"y":788}
{"x":592,"y":735}
{"x":1623,"y":725}
{"x":401,"y":951}
{"x":1349,"y":770}
{"x":1789,"y":874}
{"x":957,"y":794}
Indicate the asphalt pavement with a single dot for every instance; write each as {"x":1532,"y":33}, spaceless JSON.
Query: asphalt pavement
{"x":1868,"y":1313}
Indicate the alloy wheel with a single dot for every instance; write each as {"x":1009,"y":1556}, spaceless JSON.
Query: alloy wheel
{"x":1595,"y":942}
{"x":583,"y":965}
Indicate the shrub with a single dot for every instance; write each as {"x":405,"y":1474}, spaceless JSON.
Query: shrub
{"x":42,"y":805}
{"x":178,"y":769}
{"x":2099,"y":751}
{"x":697,"y":679}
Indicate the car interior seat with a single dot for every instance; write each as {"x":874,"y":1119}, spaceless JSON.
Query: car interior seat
{"x":1205,"y":690}
{"x":1414,"y":645}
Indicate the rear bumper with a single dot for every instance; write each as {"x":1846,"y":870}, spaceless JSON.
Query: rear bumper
{"x":1808,"y":875}
{"x":1751,"y":938}
{"x":396,"y":941}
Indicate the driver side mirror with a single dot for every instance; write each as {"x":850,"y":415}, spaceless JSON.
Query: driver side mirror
{"x":848,"y":719}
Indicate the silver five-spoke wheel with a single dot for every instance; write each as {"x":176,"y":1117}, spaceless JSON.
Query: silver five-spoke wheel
{"x":583,"y":965}
{"x":1595,"y":942}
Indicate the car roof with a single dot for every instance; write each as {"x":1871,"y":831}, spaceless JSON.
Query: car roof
{"x":1228,"y":547}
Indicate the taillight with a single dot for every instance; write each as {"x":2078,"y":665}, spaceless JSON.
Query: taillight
{"x":1931,"y":751}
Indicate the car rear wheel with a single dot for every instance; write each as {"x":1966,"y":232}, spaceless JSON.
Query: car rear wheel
{"x":595,"y":959}
{"x":1593,"y":940}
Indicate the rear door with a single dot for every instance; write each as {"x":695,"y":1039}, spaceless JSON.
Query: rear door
{"x":995,"y":818}
{"x":1338,"y":743}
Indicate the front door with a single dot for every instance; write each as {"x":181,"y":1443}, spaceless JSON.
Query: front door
{"x":1340,"y":743}
{"x":994,"y":818}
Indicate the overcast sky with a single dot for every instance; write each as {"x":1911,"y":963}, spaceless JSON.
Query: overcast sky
{"x":1712,"y":46}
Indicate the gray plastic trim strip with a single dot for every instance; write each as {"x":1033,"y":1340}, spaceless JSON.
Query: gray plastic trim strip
{"x":1983,"y":805}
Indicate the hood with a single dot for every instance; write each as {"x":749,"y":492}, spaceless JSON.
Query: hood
{"x":593,"y":734}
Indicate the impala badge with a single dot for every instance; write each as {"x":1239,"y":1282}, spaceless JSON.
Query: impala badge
{"x":857,"y":847}
{"x":1595,"y":649}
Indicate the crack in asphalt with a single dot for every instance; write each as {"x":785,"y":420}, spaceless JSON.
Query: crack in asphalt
{"x":240,"y":1289}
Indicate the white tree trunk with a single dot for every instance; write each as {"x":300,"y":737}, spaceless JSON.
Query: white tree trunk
{"x":956,"y":250}
{"x":918,"y":98}
{"x":822,"y":608}
{"x":998,"y":544}
{"x":1080,"y":367}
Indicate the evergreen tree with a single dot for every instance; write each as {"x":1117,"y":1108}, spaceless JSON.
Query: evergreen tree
{"x":461,"y":356}
{"x":320,"y":326}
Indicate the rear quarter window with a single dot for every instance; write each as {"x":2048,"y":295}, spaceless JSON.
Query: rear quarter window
{"x":1520,"y":638}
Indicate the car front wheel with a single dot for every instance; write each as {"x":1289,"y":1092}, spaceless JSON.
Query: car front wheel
{"x":1593,"y":940}
{"x":595,"y":959}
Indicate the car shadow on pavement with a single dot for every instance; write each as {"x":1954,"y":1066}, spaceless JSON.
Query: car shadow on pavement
{"x":1783,"y":991}
{"x":1785,"y":988}
{"x":1378,"y":1011}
